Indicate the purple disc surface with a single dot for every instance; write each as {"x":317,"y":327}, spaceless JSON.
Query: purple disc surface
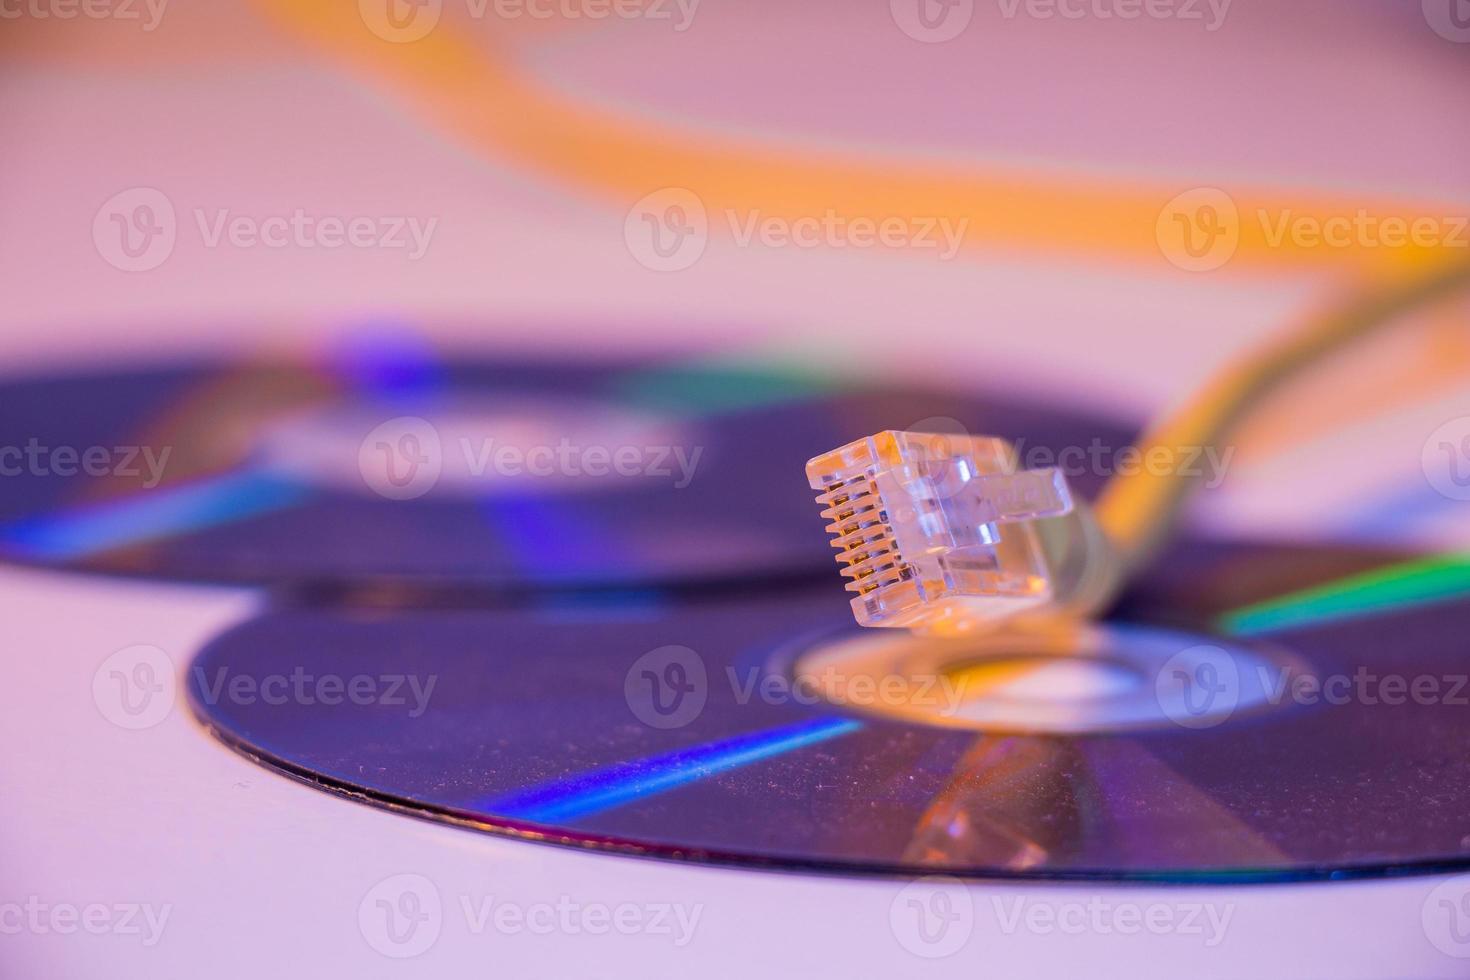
{"x":666,"y":725}
{"x":513,"y":473}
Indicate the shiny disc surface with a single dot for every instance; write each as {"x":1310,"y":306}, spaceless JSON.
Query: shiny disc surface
{"x":668,"y":725}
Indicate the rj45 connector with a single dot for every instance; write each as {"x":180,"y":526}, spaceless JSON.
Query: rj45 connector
{"x":943,"y":533}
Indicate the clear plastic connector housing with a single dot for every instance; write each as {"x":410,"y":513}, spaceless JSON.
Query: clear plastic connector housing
{"x":938,"y":532}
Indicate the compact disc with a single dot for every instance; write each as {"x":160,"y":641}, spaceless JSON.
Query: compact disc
{"x":1252,"y":713}
{"x":505,"y":473}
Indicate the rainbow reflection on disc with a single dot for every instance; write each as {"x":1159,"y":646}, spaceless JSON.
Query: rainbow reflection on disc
{"x":515,"y":473}
{"x":1291,"y":711}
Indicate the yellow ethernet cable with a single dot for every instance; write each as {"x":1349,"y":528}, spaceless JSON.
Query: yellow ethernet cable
{"x":467,"y":82}
{"x":1069,"y":563}
{"x":1137,"y":512}
{"x":944,"y":535}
